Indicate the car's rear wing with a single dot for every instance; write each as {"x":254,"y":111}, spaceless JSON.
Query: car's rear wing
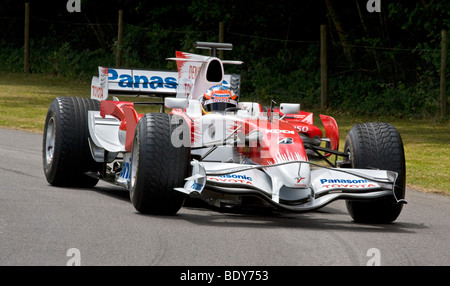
{"x":140,"y":82}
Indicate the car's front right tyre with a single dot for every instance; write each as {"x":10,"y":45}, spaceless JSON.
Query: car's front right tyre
{"x":66,"y":153}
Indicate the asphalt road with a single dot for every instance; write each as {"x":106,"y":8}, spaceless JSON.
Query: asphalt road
{"x":43,"y":225}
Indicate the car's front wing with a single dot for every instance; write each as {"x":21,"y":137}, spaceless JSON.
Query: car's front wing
{"x":326,"y":184}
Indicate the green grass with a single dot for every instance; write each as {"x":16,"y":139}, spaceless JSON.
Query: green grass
{"x":24,"y":100}
{"x":426,"y":144}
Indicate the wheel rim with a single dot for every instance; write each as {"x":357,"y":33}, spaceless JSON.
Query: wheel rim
{"x":134,"y":163}
{"x":350,"y":158}
{"x":50,"y":141}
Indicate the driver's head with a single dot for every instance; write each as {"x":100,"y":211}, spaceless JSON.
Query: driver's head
{"x":219,"y":98}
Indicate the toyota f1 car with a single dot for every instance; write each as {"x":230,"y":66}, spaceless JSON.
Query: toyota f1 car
{"x":211,"y":146}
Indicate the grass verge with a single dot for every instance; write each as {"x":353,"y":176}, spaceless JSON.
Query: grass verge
{"x":427,"y":149}
{"x":24,"y":100}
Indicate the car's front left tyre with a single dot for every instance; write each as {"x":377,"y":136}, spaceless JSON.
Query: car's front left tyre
{"x":377,"y":146}
{"x":158,"y":165}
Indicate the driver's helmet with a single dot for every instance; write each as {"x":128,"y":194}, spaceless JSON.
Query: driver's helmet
{"x":219,"y":98}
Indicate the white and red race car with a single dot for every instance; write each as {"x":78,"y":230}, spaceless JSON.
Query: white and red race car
{"x":243,"y":155}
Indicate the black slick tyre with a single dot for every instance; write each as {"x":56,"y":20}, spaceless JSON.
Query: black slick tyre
{"x":65,"y":150}
{"x":158,"y":165}
{"x":377,"y":146}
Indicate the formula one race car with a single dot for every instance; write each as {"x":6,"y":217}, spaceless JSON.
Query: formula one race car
{"x":213,"y":147}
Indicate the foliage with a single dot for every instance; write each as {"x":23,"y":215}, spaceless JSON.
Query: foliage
{"x":379,"y":63}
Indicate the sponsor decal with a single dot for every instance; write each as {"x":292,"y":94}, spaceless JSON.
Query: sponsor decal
{"x":137,"y":81}
{"x":147,"y":79}
{"x":97,"y":92}
{"x":353,"y":186}
{"x":232,"y":178}
{"x":346,"y":183}
{"x":302,"y":129}
{"x":299,"y":182}
{"x":197,"y":187}
{"x":193,"y":72}
{"x":216,"y":100}
{"x":125,"y":174}
{"x":286,"y":141}
{"x":280,"y":131}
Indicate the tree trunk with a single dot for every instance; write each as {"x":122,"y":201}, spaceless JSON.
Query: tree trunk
{"x":366,"y":31}
{"x":334,"y":15}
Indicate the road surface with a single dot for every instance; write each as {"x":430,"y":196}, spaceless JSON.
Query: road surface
{"x":44,"y":225}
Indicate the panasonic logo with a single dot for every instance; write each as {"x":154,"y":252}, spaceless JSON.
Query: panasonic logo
{"x":342,"y":181}
{"x":242,"y":177}
{"x":141,"y":81}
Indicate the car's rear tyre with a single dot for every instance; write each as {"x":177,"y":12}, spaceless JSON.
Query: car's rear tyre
{"x":65,"y":150}
{"x":377,"y":146}
{"x":159,"y":165}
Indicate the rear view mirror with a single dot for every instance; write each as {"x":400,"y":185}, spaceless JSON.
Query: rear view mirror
{"x":290,"y":108}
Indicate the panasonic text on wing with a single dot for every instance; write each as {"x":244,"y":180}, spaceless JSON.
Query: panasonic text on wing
{"x":343,"y":181}
{"x":234,"y":176}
